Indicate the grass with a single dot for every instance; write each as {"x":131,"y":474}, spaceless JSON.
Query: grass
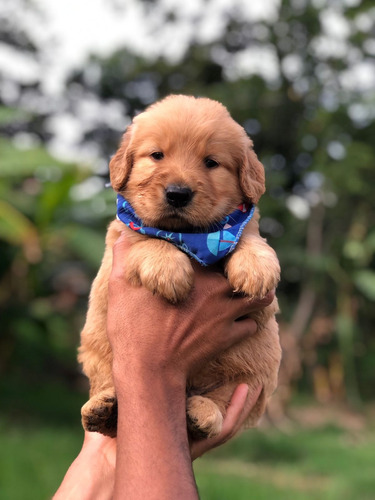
{"x":326,"y":463}
{"x":303,"y":464}
{"x":33,"y":460}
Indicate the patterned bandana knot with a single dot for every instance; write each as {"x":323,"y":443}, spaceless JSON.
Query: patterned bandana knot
{"x":207,"y":248}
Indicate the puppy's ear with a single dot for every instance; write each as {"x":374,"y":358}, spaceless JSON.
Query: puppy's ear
{"x":252,"y":178}
{"x":121,"y":163}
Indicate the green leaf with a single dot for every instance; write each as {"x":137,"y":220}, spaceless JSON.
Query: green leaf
{"x":10,"y":115}
{"x":354,"y":250}
{"x":16,"y":163}
{"x":87,"y":244}
{"x":369,"y":242}
{"x":16,"y":229}
{"x":365,"y":282}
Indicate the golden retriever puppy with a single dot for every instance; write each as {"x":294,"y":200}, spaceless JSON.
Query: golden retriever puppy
{"x":188,"y":172}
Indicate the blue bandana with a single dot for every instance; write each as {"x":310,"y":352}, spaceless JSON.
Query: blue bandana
{"x":208,"y":247}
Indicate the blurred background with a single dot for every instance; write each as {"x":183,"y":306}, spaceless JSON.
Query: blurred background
{"x":299,"y":76}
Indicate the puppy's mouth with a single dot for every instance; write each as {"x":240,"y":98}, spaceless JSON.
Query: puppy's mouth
{"x":175,"y":218}
{"x":184,"y":220}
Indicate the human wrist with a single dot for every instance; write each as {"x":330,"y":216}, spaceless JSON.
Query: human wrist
{"x":137,"y":374}
{"x":152,"y":425}
{"x":145,"y":391}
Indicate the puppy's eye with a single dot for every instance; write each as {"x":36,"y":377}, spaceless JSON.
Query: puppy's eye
{"x":157,"y":155}
{"x":211,"y":163}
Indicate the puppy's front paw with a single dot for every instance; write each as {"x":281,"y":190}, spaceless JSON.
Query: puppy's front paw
{"x":99,"y":414}
{"x":253,"y":274}
{"x":161,"y":268}
{"x":204,"y":418}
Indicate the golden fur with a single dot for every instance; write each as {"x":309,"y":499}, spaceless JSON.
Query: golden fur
{"x":188,"y":131}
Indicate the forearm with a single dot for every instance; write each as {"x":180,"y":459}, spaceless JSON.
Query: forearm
{"x":153,"y":459}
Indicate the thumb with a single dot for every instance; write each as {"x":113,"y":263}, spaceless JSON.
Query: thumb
{"x":121,"y":248}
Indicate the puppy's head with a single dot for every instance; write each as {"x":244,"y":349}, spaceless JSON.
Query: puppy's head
{"x":185,"y":163}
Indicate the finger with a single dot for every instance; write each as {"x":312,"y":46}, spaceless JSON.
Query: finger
{"x":264,"y":302}
{"x":252,"y":305}
{"x":251,"y":401}
{"x":120,"y":248}
{"x":241,"y":330}
{"x":244,"y":307}
{"x":120,"y":253}
{"x":240,"y":406}
{"x":234,"y":412}
{"x":238,"y":410}
{"x":235,"y":409}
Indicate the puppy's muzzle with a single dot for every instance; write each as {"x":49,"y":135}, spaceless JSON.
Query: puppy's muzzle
{"x":178,"y":196}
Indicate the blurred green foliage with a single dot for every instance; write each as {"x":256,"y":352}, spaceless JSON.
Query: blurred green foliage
{"x":50,"y":248}
{"x":315,"y":138}
{"x":313,"y":130}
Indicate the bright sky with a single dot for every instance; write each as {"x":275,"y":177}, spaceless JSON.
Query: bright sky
{"x":72,"y":29}
{"x":79,"y":28}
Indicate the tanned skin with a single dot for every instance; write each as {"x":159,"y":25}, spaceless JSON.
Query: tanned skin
{"x":152,"y":455}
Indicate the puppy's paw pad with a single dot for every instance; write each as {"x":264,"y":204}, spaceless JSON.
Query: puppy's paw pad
{"x":203,"y":417}
{"x":99,"y":414}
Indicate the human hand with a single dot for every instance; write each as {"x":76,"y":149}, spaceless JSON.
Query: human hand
{"x":155,"y":347}
{"x":174,"y":339}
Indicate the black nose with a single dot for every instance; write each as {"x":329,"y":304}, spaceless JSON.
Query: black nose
{"x":178,"y":196}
